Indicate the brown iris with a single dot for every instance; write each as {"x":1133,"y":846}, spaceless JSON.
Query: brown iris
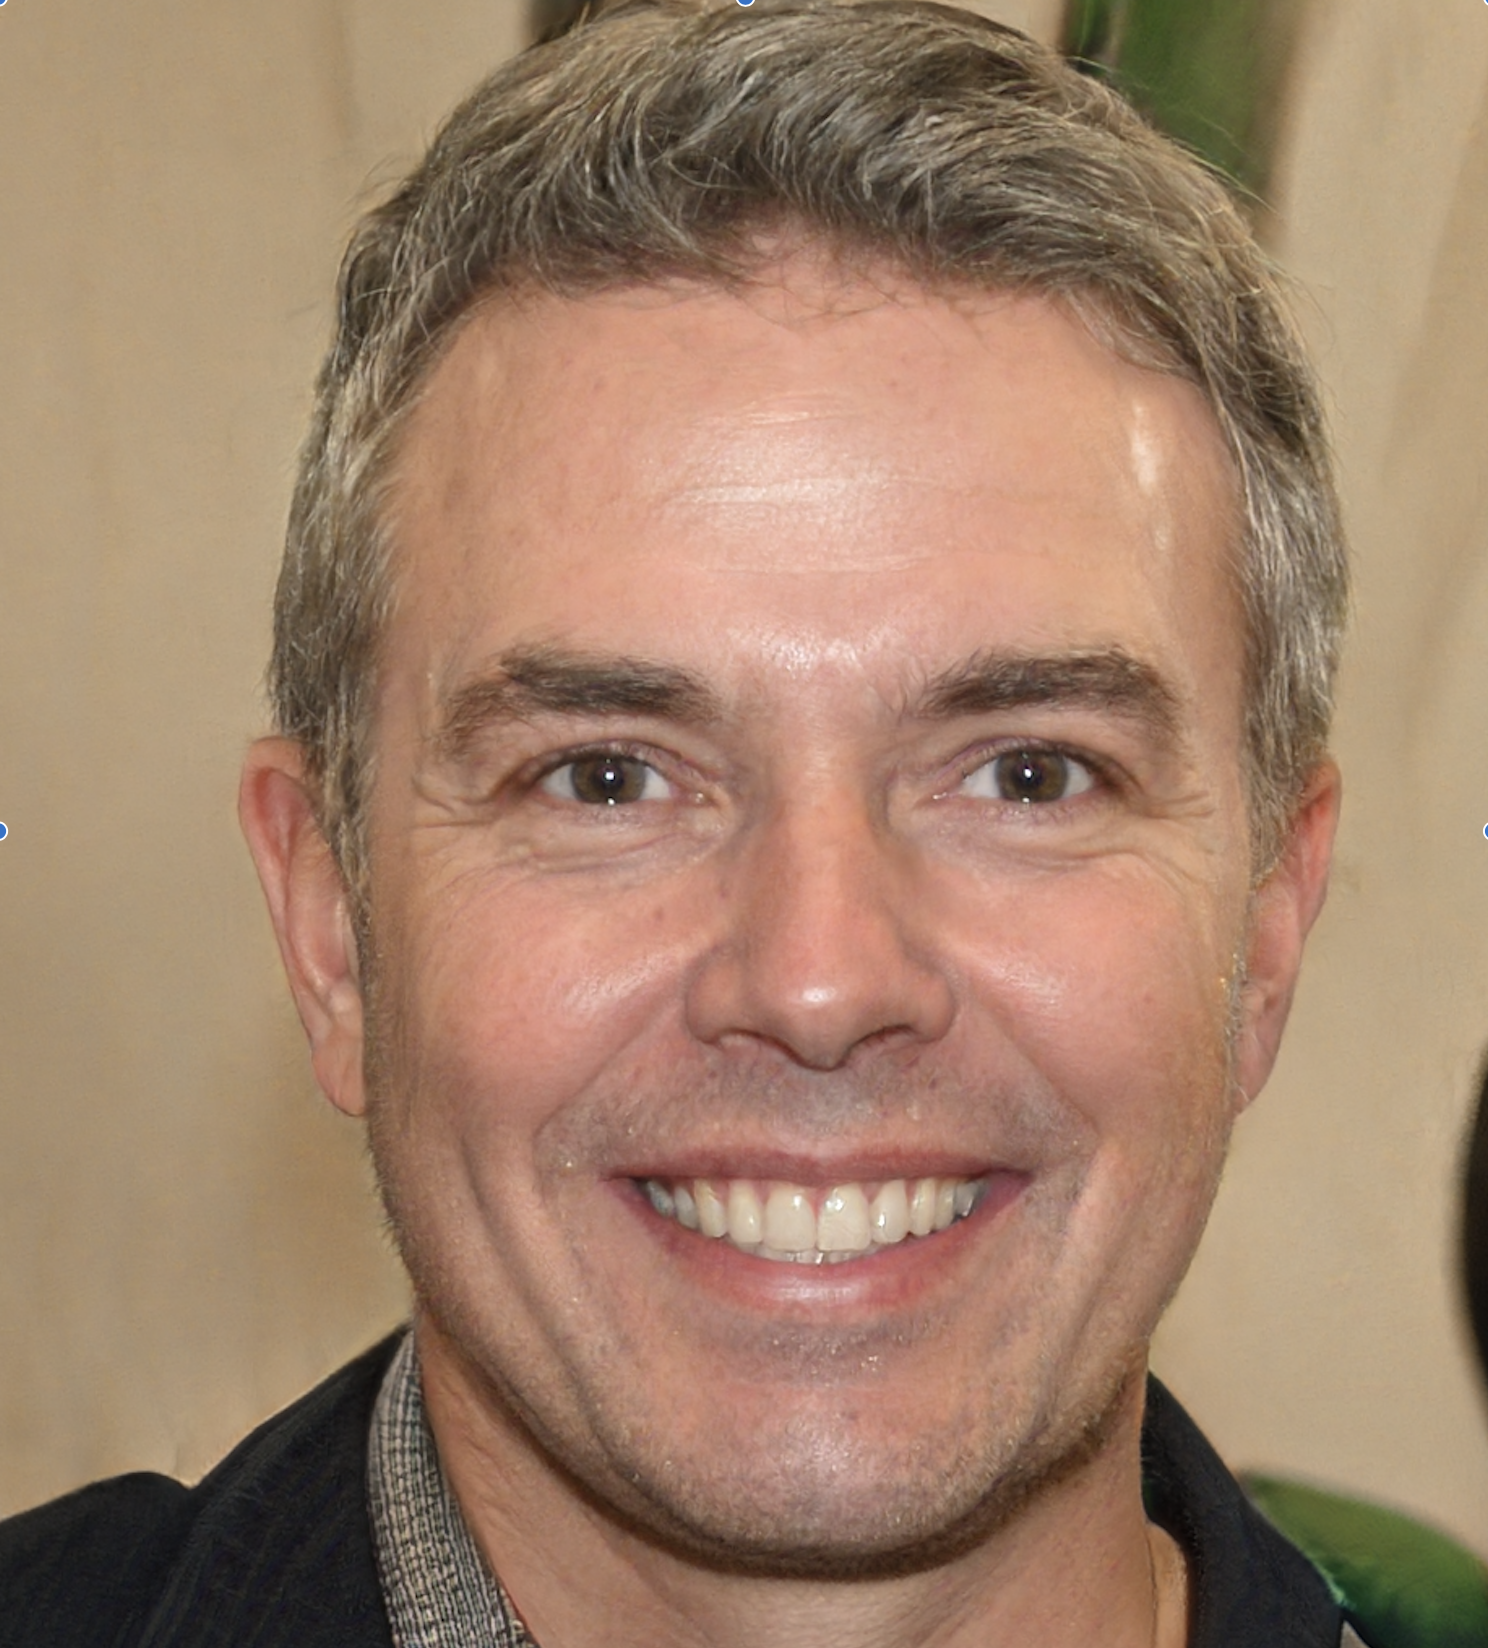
{"x":1032,"y":775}
{"x":608,"y":780}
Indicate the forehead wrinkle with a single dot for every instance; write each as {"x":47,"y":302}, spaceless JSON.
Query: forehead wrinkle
{"x":1107,"y":679}
{"x":530,"y":681}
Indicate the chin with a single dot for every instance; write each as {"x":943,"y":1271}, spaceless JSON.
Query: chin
{"x":821,"y":1512}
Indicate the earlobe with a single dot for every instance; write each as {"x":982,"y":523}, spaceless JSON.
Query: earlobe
{"x":1283,"y":909}
{"x":310,"y":907}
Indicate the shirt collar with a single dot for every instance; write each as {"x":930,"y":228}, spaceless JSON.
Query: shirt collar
{"x":438,"y":1591}
{"x":1252,"y":1586}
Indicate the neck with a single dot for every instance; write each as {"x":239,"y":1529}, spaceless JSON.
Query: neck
{"x":1077,"y":1563}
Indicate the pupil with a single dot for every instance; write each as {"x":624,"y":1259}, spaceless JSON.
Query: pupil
{"x":1032,"y":775}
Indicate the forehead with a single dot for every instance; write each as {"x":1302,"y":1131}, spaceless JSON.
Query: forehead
{"x":809,"y":464}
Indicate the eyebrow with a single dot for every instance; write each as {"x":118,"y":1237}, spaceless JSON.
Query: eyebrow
{"x":548,"y":681}
{"x":1108,"y":679}
{"x":534,"y":681}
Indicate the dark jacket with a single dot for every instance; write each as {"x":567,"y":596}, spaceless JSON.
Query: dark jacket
{"x":274,"y":1548}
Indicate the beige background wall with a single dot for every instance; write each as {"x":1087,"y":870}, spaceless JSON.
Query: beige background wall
{"x":186,"y":1238}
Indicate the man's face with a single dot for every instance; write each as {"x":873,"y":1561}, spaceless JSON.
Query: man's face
{"x":807,"y":801}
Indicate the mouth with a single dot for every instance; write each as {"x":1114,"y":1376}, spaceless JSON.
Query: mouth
{"x":789,"y":1224}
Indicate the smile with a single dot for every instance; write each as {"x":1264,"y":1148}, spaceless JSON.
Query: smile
{"x":790,"y":1225}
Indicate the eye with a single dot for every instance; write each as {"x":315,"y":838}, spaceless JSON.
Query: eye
{"x":606,"y":778}
{"x":1029,"y":776}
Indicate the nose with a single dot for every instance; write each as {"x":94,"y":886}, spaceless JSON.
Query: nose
{"x":820,"y":952}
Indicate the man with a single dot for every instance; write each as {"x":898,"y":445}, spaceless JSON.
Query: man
{"x":802,"y":670}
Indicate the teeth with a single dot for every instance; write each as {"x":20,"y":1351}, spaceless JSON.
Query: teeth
{"x":945,"y":1205}
{"x":922,"y":1208}
{"x":888,"y":1218}
{"x":746,"y":1218}
{"x":842,"y":1226}
{"x":784,"y":1224}
{"x":790,"y":1221}
{"x":712,"y":1214}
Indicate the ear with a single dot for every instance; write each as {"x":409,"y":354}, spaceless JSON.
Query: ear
{"x":1283,"y":909}
{"x":311,"y":910}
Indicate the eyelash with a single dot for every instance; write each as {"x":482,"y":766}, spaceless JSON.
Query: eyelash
{"x":1103,"y":778}
{"x":1100,"y":772}
{"x":532,"y":780}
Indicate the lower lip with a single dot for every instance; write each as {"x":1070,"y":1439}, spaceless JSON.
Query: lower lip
{"x":900,"y":1275}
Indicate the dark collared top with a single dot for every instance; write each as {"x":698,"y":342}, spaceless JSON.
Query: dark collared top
{"x":275,"y":1548}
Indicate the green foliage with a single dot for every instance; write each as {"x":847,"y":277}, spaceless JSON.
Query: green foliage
{"x":1209,"y":72}
{"x":1407,"y":1585}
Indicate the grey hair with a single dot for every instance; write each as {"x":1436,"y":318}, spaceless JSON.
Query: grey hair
{"x":669,"y":141}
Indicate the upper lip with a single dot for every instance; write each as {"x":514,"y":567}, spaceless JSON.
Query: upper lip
{"x":797,"y":1168}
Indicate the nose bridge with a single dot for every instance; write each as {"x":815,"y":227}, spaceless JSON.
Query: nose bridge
{"x":820,"y":952}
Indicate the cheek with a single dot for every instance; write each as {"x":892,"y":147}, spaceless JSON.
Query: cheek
{"x":514,"y":999}
{"x":1111,"y":982}
{"x":1118,"y":1003}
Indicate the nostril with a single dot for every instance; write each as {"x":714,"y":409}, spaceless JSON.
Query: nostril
{"x":819,"y":1025}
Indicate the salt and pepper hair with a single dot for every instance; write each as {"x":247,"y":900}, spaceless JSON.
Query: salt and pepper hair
{"x":672,"y":141}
